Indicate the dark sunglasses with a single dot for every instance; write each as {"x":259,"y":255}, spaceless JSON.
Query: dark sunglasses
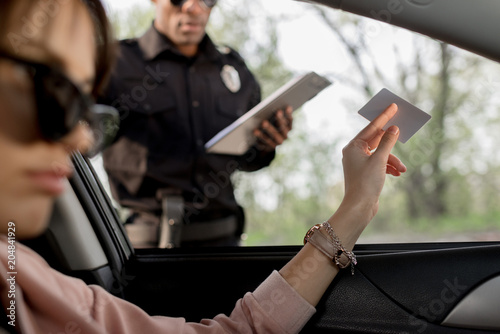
{"x":180,"y":3}
{"x":61,"y":106}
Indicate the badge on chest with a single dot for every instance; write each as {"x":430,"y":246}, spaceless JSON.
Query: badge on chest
{"x":230,"y":78}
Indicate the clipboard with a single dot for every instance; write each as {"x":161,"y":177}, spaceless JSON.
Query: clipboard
{"x":238,"y":137}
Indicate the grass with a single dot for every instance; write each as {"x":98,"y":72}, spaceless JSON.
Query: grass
{"x":471,"y":227}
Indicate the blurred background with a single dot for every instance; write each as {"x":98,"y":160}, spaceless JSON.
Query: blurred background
{"x":451,"y":191}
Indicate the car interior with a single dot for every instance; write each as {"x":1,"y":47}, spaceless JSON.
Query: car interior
{"x":451,"y":287}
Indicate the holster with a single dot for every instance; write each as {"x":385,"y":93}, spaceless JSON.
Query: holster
{"x":170,"y":229}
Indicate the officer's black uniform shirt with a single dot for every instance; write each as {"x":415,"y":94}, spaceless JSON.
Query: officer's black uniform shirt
{"x":170,"y":106}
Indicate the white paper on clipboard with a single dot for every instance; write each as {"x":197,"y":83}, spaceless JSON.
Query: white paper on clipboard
{"x":238,"y":137}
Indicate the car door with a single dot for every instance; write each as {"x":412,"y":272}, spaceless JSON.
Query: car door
{"x":396,"y":288}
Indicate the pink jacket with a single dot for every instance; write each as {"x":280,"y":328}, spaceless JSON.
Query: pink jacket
{"x":47,"y":301}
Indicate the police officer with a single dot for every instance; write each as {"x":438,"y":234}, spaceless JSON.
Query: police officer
{"x":175,"y":89}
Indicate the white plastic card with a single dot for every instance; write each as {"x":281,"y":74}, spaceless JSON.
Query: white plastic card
{"x":409,"y":118}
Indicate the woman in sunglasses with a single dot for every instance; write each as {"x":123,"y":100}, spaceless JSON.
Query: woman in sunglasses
{"x":48,"y":75}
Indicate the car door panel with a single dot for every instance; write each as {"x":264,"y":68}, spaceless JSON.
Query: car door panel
{"x":197,"y":285}
{"x":391,"y":292}
{"x":479,"y":309}
{"x":397,"y":288}
{"x":437,"y":280}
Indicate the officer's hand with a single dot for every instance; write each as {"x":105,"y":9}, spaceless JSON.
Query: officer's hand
{"x":269,"y":135}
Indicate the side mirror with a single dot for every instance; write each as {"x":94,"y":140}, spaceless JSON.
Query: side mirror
{"x":105,"y":124}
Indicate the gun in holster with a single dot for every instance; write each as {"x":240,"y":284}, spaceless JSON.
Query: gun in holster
{"x":171,"y":220}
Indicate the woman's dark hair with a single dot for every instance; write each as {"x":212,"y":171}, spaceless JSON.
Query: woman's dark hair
{"x":105,"y":43}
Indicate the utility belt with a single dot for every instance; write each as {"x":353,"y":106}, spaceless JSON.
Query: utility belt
{"x":168,"y":229}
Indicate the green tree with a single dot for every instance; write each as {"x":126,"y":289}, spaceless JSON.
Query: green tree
{"x":132,"y":22}
{"x":294,"y":183}
{"x":254,"y":36}
{"x":303,"y":184}
{"x":425,"y":77}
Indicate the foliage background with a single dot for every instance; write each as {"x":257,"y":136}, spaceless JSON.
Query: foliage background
{"x":451,"y":191}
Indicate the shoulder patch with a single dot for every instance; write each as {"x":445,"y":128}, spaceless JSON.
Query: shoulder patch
{"x":230,"y":53}
{"x":224,"y":49}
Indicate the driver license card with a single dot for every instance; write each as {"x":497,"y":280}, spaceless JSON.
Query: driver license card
{"x":408,"y":118}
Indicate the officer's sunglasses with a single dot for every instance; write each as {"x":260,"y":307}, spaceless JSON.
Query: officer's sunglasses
{"x":61,"y":105}
{"x":207,"y":3}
